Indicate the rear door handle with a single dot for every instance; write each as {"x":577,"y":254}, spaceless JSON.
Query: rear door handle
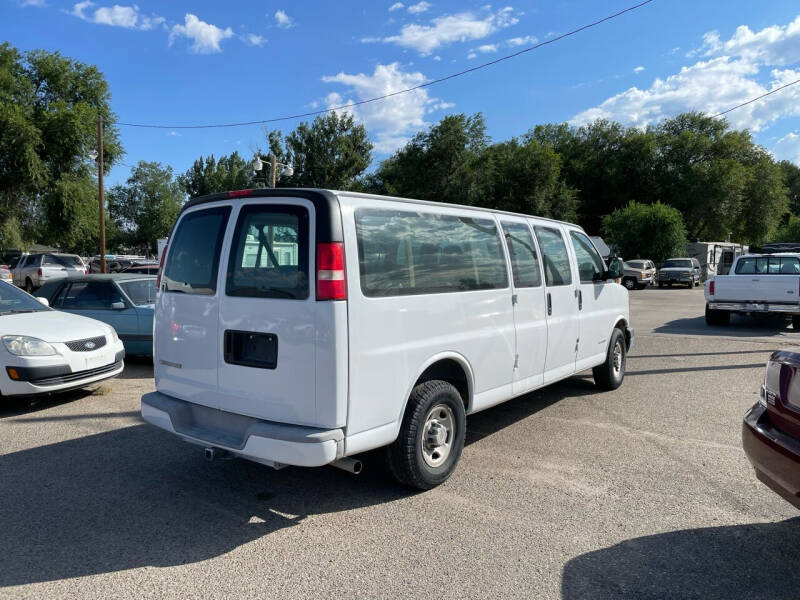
{"x":580,"y":300}
{"x":549,"y":304}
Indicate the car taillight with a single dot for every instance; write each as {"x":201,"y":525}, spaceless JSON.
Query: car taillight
{"x":39,"y":272}
{"x":331,"y":284}
{"x":161,"y":266}
{"x":711,"y":288}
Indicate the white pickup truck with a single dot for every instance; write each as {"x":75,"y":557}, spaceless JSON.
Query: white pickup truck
{"x":756,"y":284}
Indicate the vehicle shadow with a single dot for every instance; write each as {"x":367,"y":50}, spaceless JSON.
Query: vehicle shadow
{"x":758,"y":560}
{"x":739,"y":327}
{"x":488,"y":422}
{"x":138,"y":496}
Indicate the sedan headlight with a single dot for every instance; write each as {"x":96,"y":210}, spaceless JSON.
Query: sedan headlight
{"x":22,"y":345}
{"x":113,"y":334}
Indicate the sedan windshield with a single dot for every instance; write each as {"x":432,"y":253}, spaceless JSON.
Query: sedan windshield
{"x":13,"y":300}
{"x":680,"y":264}
{"x":141,"y":291}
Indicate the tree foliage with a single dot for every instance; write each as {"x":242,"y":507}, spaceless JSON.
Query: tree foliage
{"x":331,"y":152}
{"x":49,"y":107}
{"x":209,"y":175}
{"x":146,"y":206}
{"x":653,"y":231}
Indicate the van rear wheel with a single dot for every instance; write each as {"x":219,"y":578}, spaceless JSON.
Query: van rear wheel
{"x":431,"y":437}
{"x":610,"y":374}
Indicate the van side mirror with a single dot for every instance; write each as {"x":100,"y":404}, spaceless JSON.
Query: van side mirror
{"x":43,"y":300}
{"x":615,"y":268}
{"x":117,"y":306}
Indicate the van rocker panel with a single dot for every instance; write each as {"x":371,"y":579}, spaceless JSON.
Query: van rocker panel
{"x":256,"y":439}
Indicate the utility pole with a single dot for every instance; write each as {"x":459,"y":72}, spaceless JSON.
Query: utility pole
{"x":273,"y":170}
{"x":101,"y":195}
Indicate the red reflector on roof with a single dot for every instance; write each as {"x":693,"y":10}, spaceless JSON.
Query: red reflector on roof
{"x":239,"y":193}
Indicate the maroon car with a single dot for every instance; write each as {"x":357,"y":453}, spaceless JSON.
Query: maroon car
{"x":771,"y":428}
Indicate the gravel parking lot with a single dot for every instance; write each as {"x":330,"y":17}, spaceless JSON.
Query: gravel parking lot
{"x":563,"y":493}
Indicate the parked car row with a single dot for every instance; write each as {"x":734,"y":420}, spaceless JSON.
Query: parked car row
{"x":640,"y":273}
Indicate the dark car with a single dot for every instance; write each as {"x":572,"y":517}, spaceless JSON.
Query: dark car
{"x":143,"y":269}
{"x":124,"y":301}
{"x":771,"y":428}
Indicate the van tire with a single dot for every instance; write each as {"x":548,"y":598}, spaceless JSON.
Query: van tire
{"x":610,"y":374}
{"x":405,"y":455}
{"x":796,"y":322}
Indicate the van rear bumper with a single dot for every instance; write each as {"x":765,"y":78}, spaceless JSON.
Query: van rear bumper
{"x":267,"y":442}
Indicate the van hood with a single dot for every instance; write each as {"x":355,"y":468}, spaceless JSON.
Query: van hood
{"x":52,"y":326}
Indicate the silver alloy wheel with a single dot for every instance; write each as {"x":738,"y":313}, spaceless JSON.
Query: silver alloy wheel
{"x":630,"y":284}
{"x":616,"y":358}
{"x":437,"y":435}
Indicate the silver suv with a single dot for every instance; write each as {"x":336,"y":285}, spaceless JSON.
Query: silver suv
{"x":34,"y":270}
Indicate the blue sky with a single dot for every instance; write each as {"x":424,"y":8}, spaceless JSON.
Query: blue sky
{"x":183,"y":63}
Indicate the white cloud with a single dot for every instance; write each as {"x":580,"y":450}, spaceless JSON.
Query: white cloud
{"x":487,"y":48}
{"x":396,"y":6}
{"x":448,"y":29}
{"x":638,"y":69}
{"x":522,"y":41}
{"x":205,"y":36}
{"x":128,"y":17}
{"x":471,"y":55}
{"x":36,"y":3}
{"x":419,"y":7}
{"x":283,"y":20}
{"x":732,"y":71}
{"x":788,"y":147}
{"x":393,"y":120}
{"x":253,"y":39}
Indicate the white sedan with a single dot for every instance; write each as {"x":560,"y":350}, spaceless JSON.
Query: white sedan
{"x":44,"y":351}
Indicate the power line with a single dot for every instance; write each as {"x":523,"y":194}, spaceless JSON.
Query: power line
{"x":777,"y":89}
{"x":406,"y":90}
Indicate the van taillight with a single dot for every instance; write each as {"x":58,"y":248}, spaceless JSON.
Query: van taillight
{"x":331,"y":284}
{"x":711,"y":288}
{"x":39,"y":272}
{"x":161,"y":266}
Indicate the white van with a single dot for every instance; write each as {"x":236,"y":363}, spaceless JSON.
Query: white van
{"x":302,"y":327}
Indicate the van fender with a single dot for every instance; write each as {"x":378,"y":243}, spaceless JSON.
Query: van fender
{"x":461,"y":360}
{"x":621,"y":322}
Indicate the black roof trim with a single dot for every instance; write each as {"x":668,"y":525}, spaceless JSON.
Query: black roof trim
{"x":326,"y":205}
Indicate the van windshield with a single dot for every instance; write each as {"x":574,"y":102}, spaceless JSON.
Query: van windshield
{"x":678,"y":264}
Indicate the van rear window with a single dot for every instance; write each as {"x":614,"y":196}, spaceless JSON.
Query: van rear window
{"x":269,"y":253}
{"x":193,"y":260}
{"x":404,"y":253}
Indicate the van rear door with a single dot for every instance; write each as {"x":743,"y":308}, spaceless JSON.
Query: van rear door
{"x":268,"y":317}
{"x":187,"y":308}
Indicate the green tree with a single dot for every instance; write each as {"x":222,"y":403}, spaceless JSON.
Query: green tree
{"x":653,"y":231}
{"x":789,"y":232}
{"x":438,"y":164}
{"x":608,"y":164}
{"x":146,"y":206}
{"x":209,"y":175}
{"x":791,"y":179}
{"x":49,"y":107}
{"x":525,"y":177}
{"x":331,"y":152}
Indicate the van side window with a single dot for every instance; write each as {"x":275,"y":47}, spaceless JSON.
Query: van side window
{"x":404,"y":253}
{"x":554,"y":256}
{"x":269,"y":253}
{"x":590,"y":265}
{"x":193,"y":260}
{"x":524,"y":260}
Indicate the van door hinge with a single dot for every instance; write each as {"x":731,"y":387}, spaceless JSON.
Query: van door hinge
{"x":516,"y":361}
{"x":514,"y":299}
